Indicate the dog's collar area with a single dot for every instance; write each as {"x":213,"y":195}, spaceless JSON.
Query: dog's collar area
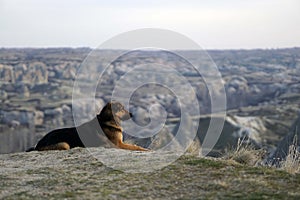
{"x":113,"y":125}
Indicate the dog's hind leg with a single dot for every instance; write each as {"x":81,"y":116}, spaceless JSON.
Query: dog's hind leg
{"x":58,"y":146}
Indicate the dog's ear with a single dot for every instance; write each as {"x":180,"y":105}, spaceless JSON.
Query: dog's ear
{"x":109,"y":106}
{"x":116,"y":106}
{"x":106,"y":107}
{"x":106,"y":113}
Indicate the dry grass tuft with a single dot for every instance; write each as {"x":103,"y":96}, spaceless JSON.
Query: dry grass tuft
{"x":292,"y":162}
{"x":194,"y":148}
{"x":245,"y":154}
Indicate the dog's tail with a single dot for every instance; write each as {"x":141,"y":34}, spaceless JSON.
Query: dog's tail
{"x":30,"y":149}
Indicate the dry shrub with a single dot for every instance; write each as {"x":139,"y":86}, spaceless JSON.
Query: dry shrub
{"x":194,"y":148}
{"x":292,"y":162}
{"x":245,"y":154}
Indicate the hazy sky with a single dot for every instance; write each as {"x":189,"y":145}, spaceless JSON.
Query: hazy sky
{"x":228,"y":24}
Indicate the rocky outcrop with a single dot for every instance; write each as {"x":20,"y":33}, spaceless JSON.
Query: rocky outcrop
{"x":247,"y":129}
{"x":179,"y":137}
{"x":34,"y":73}
{"x":282,"y":149}
{"x":3,"y":95}
{"x":64,"y":71}
{"x":23,"y":117}
{"x":241,"y":92}
{"x":7,"y":74}
{"x":23,"y":91}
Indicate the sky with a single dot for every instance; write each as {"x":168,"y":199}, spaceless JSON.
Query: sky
{"x":213,"y":24}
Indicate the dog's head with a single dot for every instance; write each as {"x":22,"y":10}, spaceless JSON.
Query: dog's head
{"x":114,"y":111}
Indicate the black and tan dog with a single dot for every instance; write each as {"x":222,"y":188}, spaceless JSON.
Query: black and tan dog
{"x":104,"y":130}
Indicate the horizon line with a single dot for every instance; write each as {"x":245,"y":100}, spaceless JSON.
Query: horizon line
{"x":93,"y":48}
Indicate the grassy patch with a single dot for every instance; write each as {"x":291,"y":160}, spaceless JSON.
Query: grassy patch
{"x":202,"y":162}
{"x":255,"y":195}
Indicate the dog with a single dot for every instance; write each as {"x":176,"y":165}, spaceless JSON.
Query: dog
{"x":104,"y":130}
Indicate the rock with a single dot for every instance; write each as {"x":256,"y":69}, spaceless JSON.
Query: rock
{"x":184,"y":134}
{"x":7,"y":74}
{"x":38,"y":117}
{"x":66,"y":109}
{"x":14,"y":123}
{"x":69,"y":71}
{"x":55,"y":116}
{"x":237,"y":91}
{"x":157,"y":142}
{"x":23,"y":91}
{"x":238,"y":83}
{"x":19,"y":71}
{"x":3,"y":95}
{"x":34,"y":73}
{"x":248,"y":129}
{"x":23,"y":117}
{"x":54,"y":112}
{"x":120,"y":69}
{"x":282,"y":150}
{"x":177,"y":139}
{"x":65,"y":70}
{"x":140,"y":116}
{"x":38,"y":72}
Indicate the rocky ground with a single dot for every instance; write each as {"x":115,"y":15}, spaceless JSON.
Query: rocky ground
{"x":77,"y":174}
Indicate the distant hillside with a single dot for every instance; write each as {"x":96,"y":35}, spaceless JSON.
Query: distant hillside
{"x":36,"y":86}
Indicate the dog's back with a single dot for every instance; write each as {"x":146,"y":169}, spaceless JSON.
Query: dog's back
{"x":58,"y":137}
{"x":88,"y":134}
